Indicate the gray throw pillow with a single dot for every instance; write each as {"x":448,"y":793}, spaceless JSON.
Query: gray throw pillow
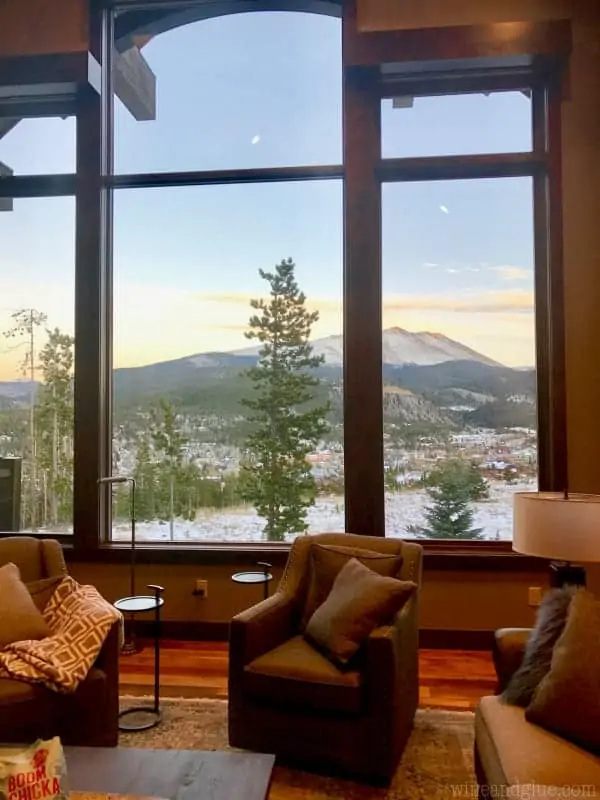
{"x":549,"y":625}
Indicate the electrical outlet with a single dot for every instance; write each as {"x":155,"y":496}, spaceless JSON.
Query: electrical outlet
{"x":201,"y":588}
{"x":535,"y":595}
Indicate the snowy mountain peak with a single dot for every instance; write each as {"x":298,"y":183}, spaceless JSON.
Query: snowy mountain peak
{"x":400,"y":347}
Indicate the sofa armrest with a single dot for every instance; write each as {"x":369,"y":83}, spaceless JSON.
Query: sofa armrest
{"x":507,"y":651}
{"x":393,"y":659}
{"x":260,"y":628}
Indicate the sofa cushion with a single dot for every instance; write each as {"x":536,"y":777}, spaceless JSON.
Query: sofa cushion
{"x":298,"y":676}
{"x":326,"y":561}
{"x":567,"y":701}
{"x":550,"y":623}
{"x":12,"y":692}
{"x":359,"y":601}
{"x":513,"y":751}
{"x":19,"y":618}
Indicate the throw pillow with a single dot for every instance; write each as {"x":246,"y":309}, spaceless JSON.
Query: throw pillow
{"x":325,"y":563}
{"x":42,"y":590}
{"x":19,"y":618}
{"x":567,"y":701}
{"x":550,"y":623}
{"x":359,"y":601}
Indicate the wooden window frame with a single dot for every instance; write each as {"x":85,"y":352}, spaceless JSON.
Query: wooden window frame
{"x":363,"y":171}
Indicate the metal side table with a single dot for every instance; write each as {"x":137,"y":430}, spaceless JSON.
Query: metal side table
{"x":146,"y":717}
{"x":263,"y":577}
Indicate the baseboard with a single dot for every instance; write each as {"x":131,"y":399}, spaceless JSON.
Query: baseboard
{"x":442,"y":639}
{"x":204,"y":631}
{"x":212,"y":631}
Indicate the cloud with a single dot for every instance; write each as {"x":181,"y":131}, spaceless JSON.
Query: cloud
{"x":256,"y":139}
{"x":517,"y":302}
{"x":445,"y":209}
{"x":508,"y":273}
{"x":429,"y":264}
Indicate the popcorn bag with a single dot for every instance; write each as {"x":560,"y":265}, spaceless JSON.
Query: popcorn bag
{"x":34,"y":773}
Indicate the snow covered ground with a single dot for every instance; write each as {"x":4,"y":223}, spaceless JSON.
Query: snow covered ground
{"x":403,"y":509}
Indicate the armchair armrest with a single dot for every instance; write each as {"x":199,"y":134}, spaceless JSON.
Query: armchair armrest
{"x":260,"y":628}
{"x":507,"y":651}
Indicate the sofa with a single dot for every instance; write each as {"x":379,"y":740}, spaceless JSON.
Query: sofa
{"x":286,"y":698}
{"x":511,"y":754}
{"x":89,"y":716}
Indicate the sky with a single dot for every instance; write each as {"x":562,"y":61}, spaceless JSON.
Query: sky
{"x":262,"y":90}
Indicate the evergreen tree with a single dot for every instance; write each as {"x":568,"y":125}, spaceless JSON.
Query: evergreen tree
{"x":145,"y":474}
{"x":286,"y":423}
{"x":169,"y":444}
{"x":452,"y":487}
{"x":54,"y":427}
{"x":26,"y":321}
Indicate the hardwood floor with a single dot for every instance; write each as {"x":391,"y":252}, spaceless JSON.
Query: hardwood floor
{"x":453,"y":679}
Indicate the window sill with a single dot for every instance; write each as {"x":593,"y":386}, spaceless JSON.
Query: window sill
{"x":498,"y":557}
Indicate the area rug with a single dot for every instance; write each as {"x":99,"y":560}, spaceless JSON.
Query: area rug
{"x":437,"y":762}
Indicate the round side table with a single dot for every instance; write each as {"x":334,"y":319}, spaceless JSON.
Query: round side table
{"x":146,"y":717}
{"x":255,"y":576}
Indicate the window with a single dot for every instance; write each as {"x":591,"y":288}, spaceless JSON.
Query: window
{"x":36,"y":357}
{"x":458,"y":353}
{"x":236,"y":93}
{"x":37,"y":146}
{"x":468,"y":124}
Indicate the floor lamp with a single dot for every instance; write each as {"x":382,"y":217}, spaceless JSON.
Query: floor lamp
{"x":561,"y":526}
{"x":129,"y":646}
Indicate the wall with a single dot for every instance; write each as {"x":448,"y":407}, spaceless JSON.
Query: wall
{"x":379,"y":15}
{"x":42,"y":26}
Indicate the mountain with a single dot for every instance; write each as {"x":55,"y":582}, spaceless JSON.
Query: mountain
{"x":398,"y":347}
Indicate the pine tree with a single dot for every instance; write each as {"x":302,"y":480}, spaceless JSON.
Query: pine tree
{"x":286,"y":423}
{"x":452,"y":487}
{"x":54,"y":424}
{"x":26,"y":322}
{"x":169,"y":444}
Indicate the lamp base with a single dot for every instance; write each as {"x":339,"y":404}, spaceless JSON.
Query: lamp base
{"x":562,"y":573}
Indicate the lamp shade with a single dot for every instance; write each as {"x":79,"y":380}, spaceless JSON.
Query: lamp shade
{"x":550,"y":525}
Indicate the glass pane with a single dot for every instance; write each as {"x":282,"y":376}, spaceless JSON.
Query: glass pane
{"x":187,"y":264}
{"x":467,"y":124}
{"x":239,"y":91}
{"x":37,"y":146}
{"x":459,"y":354}
{"x":36,"y":358}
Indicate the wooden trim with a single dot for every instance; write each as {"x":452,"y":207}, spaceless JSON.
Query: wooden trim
{"x":227,"y":176}
{"x":438,"y":556}
{"x":498,"y":43}
{"x":197,"y":631}
{"x":37,"y":185}
{"x":214,"y":631}
{"x":503,"y":165}
{"x":363,"y":379}
{"x":550,"y":323}
{"x":442,"y":639}
{"x":49,"y":74}
{"x":445,"y":82}
{"x":91,"y":459}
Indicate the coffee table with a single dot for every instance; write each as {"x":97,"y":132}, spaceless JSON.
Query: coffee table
{"x":170,"y":774}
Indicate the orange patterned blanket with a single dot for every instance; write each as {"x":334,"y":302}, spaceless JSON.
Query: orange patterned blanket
{"x":80,"y":619}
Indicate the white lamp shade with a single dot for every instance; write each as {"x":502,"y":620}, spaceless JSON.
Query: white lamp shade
{"x":550,"y":525}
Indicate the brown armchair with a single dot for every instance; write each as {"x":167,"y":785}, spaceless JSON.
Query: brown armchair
{"x":288,"y":699}
{"x":28,"y":711}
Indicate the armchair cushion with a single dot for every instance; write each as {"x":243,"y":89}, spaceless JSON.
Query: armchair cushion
{"x":359,"y":602}
{"x":41,"y":591}
{"x":19,"y":617}
{"x":295,"y":675}
{"x":325,"y":563}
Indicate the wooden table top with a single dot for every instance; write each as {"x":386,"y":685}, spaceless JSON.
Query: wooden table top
{"x":170,"y":774}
